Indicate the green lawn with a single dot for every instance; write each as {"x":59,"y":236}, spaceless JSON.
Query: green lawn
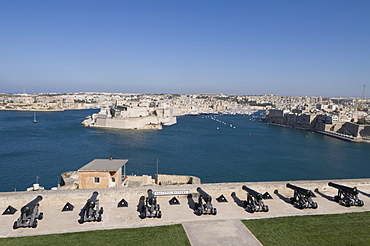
{"x":336,"y":229}
{"x":160,"y":235}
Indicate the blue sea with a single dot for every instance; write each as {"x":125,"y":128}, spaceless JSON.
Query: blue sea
{"x":196,"y":145}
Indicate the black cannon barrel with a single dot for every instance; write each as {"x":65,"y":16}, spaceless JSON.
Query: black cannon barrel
{"x":347,"y":189}
{"x":206,"y":197}
{"x":151,"y":198}
{"x":150,"y":193}
{"x":91,"y":202}
{"x":301,"y":190}
{"x":254,"y":193}
{"x":29,"y":206}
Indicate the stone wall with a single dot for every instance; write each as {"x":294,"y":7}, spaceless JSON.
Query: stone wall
{"x":275,"y":116}
{"x":129,"y":123}
{"x":60,"y":197}
{"x":68,"y":180}
{"x":365,"y":132}
{"x":350,"y":128}
{"x":163,"y":179}
{"x":136,"y":181}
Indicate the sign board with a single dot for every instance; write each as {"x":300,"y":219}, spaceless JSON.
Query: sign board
{"x":171,"y":193}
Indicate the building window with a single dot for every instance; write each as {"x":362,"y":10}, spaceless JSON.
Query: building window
{"x":96,"y":180}
{"x":113,"y":179}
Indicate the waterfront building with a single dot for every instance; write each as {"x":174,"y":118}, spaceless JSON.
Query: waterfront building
{"x":101,"y":173}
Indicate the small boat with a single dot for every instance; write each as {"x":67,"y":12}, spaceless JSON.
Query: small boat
{"x":34,"y":117}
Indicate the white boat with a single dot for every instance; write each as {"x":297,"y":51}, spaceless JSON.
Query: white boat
{"x":34,"y":117}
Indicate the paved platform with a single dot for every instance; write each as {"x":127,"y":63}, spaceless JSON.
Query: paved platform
{"x":228,"y":213}
{"x":219,"y":232}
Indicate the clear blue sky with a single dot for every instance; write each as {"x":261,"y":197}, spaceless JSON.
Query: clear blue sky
{"x":233,"y":47}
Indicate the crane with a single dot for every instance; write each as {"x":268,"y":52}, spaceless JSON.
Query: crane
{"x":361,"y":105}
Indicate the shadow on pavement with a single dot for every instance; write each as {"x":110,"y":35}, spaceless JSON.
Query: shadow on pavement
{"x":236,"y":199}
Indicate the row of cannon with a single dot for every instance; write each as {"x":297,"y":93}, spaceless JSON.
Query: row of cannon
{"x":149,"y":207}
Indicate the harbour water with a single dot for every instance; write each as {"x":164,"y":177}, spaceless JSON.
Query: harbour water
{"x":196,"y":145}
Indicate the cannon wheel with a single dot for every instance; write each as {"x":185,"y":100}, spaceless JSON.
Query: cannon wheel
{"x":143,"y":212}
{"x":143,"y":215}
{"x":159,"y":214}
{"x":301,"y":204}
{"x":34,"y":224}
{"x":336,"y":198}
{"x":245,"y":204}
{"x":199,"y":211}
{"x":348,"y":203}
{"x":292,"y":200}
{"x":101,"y":211}
{"x":360,"y":203}
{"x":265,"y":208}
{"x":41,"y":216}
{"x":214,"y":212}
{"x":314,"y":205}
{"x":15,"y":226}
{"x":250,"y":209}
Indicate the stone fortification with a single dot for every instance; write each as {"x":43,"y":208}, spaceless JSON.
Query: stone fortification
{"x":70,"y":181}
{"x":130,"y":117}
{"x":136,"y":181}
{"x":214,"y":189}
{"x":56,"y":221}
{"x":321,"y":123}
{"x":163,"y":179}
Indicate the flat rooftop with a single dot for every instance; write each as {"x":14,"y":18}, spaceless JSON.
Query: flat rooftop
{"x":104,"y":165}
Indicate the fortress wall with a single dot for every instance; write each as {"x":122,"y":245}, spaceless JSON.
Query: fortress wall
{"x":176,"y":179}
{"x":145,"y":179}
{"x":126,"y":123}
{"x":351,"y":129}
{"x":365,"y":132}
{"x":56,"y":221}
{"x":60,"y":197}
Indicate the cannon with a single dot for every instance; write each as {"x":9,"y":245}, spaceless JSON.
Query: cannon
{"x":29,"y":214}
{"x":302,"y":197}
{"x":254,"y":201}
{"x":91,"y":211}
{"x":151,"y":208}
{"x":347,"y":195}
{"x":206,"y":208}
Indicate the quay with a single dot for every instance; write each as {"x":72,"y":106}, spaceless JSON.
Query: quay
{"x":230,"y":212}
{"x":329,"y":124}
{"x":337,"y":135}
{"x":345,"y":137}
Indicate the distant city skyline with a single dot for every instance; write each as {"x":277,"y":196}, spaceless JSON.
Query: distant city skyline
{"x":315,"y":48}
